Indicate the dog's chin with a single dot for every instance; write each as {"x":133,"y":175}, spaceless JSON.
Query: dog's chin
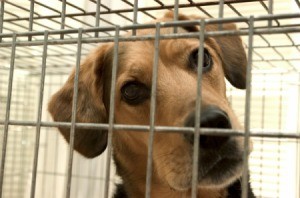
{"x":221,"y":175}
{"x":215,"y":170}
{"x":180,"y":183}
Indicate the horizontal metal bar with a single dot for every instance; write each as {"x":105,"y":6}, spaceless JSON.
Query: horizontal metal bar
{"x":162,"y":129}
{"x":163,"y":24}
{"x":142,"y":38}
{"x":130,"y":10}
{"x":71,"y":55}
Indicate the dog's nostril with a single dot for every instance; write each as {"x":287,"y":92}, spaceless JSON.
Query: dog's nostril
{"x":214,"y":117}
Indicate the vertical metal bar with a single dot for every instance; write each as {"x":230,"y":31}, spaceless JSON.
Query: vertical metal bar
{"x":263,"y":102}
{"x":278,"y":140}
{"x":39,"y":118}
{"x":76,"y":179}
{"x":176,"y":12}
{"x":135,"y":12}
{"x":46,"y":158}
{"x":221,"y":13}
{"x":247,"y":110}
{"x":270,"y":12}
{"x":1,"y":18}
{"x":63,"y":17}
{"x":152,"y":110}
{"x":31,"y":18}
{"x":198,"y":111}
{"x":19,"y":91}
{"x":97,"y":23}
{"x":90,"y":182}
{"x":45,"y":163}
{"x":56,"y":151}
{"x":230,"y":98}
{"x":111,"y":110}
{"x":14,"y":142}
{"x":24,"y":134}
{"x":7,"y":112}
{"x":298,"y":144}
{"x":261,"y":150}
{"x":73,"y":118}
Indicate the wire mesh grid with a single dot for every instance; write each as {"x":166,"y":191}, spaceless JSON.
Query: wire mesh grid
{"x":42,"y":41}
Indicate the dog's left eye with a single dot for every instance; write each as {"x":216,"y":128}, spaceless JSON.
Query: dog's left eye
{"x":207,"y":60}
{"x":134,"y":92}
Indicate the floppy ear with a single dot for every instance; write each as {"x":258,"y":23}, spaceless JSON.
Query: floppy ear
{"x":233,"y":55}
{"x":90,"y":107}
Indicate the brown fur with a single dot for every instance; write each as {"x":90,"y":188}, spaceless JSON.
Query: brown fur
{"x":176,"y":97}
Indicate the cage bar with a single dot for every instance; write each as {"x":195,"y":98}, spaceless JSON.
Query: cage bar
{"x":39,"y":119}
{"x":1,"y":17}
{"x":176,"y":13}
{"x":196,"y":149}
{"x":31,"y":18}
{"x":63,"y":17}
{"x":135,"y":15}
{"x":247,"y":111}
{"x":152,"y":111}
{"x":111,"y":109}
{"x":97,"y":18}
{"x":221,"y":13}
{"x":7,"y":112}
{"x":73,"y":118}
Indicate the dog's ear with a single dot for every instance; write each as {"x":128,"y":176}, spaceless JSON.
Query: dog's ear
{"x":233,"y":56}
{"x":90,"y":106}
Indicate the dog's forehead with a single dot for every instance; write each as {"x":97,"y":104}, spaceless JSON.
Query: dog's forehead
{"x":134,"y":60}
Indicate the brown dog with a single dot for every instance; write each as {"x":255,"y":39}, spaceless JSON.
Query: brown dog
{"x":220,"y":159}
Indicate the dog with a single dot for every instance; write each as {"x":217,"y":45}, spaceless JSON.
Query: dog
{"x":220,"y":157}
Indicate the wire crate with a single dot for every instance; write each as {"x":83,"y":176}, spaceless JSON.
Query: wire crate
{"x":42,"y":41}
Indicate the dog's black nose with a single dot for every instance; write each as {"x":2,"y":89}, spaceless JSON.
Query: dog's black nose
{"x":211,"y":117}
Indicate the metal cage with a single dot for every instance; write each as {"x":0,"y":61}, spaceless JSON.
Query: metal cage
{"x":41,"y":41}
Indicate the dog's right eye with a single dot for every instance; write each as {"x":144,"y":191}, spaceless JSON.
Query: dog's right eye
{"x":135,"y":93}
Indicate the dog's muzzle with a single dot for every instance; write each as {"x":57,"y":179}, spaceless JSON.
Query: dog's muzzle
{"x":220,"y":158}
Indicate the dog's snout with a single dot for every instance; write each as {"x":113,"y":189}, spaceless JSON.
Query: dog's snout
{"x":211,"y":117}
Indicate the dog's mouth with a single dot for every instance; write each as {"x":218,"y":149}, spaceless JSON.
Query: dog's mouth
{"x":216,"y":168}
{"x":220,"y":173}
{"x":221,"y":167}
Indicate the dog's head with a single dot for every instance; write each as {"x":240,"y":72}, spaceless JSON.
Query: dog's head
{"x":220,"y":158}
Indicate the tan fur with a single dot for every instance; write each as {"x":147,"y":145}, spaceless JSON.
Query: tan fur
{"x":176,"y":98}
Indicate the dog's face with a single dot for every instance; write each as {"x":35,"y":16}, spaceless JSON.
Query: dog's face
{"x":220,"y":158}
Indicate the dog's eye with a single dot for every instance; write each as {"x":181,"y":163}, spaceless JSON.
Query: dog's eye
{"x":207,"y":60}
{"x":134,"y":93}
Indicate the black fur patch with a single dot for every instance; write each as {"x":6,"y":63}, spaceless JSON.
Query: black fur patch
{"x":235,"y":190}
{"x":120,"y":192}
